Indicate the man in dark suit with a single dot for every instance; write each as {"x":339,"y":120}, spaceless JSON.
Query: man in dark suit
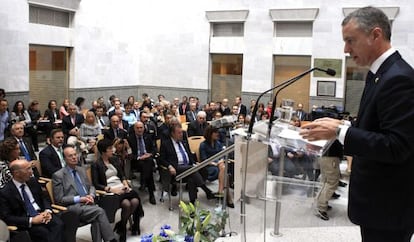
{"x":197,"y":127}
{"x":183,"y":107}
{"x":103,"y":121}
{"x":300,"y":113}
{"x":72,"y":122}
{"x":381,"y":194}
{"x":176,"y":156}
{"x":26,"y":147}
{"x":114,"y":131}
{"x":242,"y":107}
{"x":51,"y":157}
{"x":191,"y":115}
{"x":149,"y":125}
{"x":23,"y":205}
{"x":71,"y":188}
{"x":143,"y":150}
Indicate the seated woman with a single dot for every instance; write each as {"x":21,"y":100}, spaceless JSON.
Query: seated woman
{"x":107,"y":175}
{"x":9,"y":151}
{"x":89,"y":131}
{"x":209,"y":147}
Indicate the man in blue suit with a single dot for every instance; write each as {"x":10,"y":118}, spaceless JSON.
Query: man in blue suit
{"x":381,"y":194}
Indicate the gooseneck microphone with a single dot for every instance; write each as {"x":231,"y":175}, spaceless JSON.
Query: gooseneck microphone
{"x":282,"y":86}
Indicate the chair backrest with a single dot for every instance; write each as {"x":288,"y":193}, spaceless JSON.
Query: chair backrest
{"x":194,"y":143}
{"x":183,"y":118}
{"x":49,"y":189}
{"x":184,"y":126}
{"x":4,"y":231}
{"x":38,"y":166}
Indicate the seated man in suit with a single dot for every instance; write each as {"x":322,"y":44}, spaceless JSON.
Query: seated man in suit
{"x":26,"y":147}
{"x":51,"y":157}
{"x":197,"y":127}
{"x":191,"y":114}
{"x":72,"y":188}
{"x":114,"y":131}
{"x":72,"y":122}
{"x":23,"y":205}
{"x":102,"y":120}
{"x":143,"y":150}
{"x":175,"y":154}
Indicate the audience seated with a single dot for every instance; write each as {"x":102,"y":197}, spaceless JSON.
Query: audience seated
{"x":209,"y":147}
{"x":72,"y":122}
{"x":143,"y":151}
{"x":51,"y":157}
{"x":107,"y":175}
{"x":24,"y":205}
{"x":175,"y":155}
{"x":80,"y":198}
{"x":9,"y":151}
{"x":197,"y":127}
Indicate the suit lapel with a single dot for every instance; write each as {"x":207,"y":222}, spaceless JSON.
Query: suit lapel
{"x":69,"y":179}
{"x":372,"y":84}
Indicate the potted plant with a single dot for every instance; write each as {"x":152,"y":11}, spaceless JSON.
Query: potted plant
{"x":197,"y":225}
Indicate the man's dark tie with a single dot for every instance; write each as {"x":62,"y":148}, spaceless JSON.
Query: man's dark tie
{"x":141,"y":147}
{"x":368,"y":84}
{"x":183,"y":153}
{"x":31,"y":211}
{"x":102,"y":122}
{"x":24,"y":150}
{"x":79,"y":187}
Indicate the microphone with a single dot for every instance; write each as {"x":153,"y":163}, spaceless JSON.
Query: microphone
{"x":282,"y":86}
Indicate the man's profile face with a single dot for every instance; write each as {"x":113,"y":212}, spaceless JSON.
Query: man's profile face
{"x":18,"y":130}
{"x":358,"y":44}
{"x":3,"y":106}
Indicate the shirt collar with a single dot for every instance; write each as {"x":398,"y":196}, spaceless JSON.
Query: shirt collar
{"x":378,"y":62}
{"x":17,"y":184}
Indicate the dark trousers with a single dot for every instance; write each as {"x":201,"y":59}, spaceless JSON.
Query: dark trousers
{"x":380,"y":235}
{"x":193,"y":181}
{"x":146,"y":167}
{"x":53,"y":231}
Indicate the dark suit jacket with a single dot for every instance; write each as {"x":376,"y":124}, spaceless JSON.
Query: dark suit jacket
{"x":64,"y":188}
{"x":110,"y":134}
{"x":28,"y":143}
{"x":13,"y":210}
{"x":149,"y":144}
{"x":243,"y":110}
{"x":50,"y":161}
{"x":194,"y":129}
{"x":189,"y":116}
{"x":181,"y":110}
{"x":381,"y":193}
{"x":168,"y":156}
{"x":67,"y":123}
{"x":49,"y":115}
{"x":98,"y":170}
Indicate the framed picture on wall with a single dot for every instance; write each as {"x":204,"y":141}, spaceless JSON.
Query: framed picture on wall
{"x":326,"y":88}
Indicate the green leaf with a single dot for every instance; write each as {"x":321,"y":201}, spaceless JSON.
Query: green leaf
{"x":197,"y":237}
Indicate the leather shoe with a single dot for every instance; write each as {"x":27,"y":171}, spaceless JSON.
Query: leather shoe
{"x":321,"y":214}
{"x":230,"y":204}
{"x":210,"y":195}
{"x":342,"y":184}
{"x":152,"y":199}
{"x":335,"y":195}
{"x":174,"y":190}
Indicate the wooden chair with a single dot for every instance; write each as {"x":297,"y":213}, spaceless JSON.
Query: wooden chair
{"x":184,"y":126}
{"x":165,"y":179}
{"x":194,"y":143}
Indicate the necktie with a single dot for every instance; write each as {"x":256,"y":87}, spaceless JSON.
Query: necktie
{"x":141,"y":146}
{"x":60,"y":154}
{"x":31,"y":211}
{"x":368,"y":82}
{"x":102,"y":122}
{"x":183,"y":153}
{"x":79,"y":187}
{"x":24,"y":150}
{"x":116,"y":131}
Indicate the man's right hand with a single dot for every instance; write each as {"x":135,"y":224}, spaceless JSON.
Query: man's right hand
{"x":172,"y":170}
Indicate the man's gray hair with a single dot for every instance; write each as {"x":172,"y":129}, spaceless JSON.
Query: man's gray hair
{"x":369,"y":18}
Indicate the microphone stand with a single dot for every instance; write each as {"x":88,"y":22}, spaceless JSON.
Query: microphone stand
{"x":282,"y":86}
